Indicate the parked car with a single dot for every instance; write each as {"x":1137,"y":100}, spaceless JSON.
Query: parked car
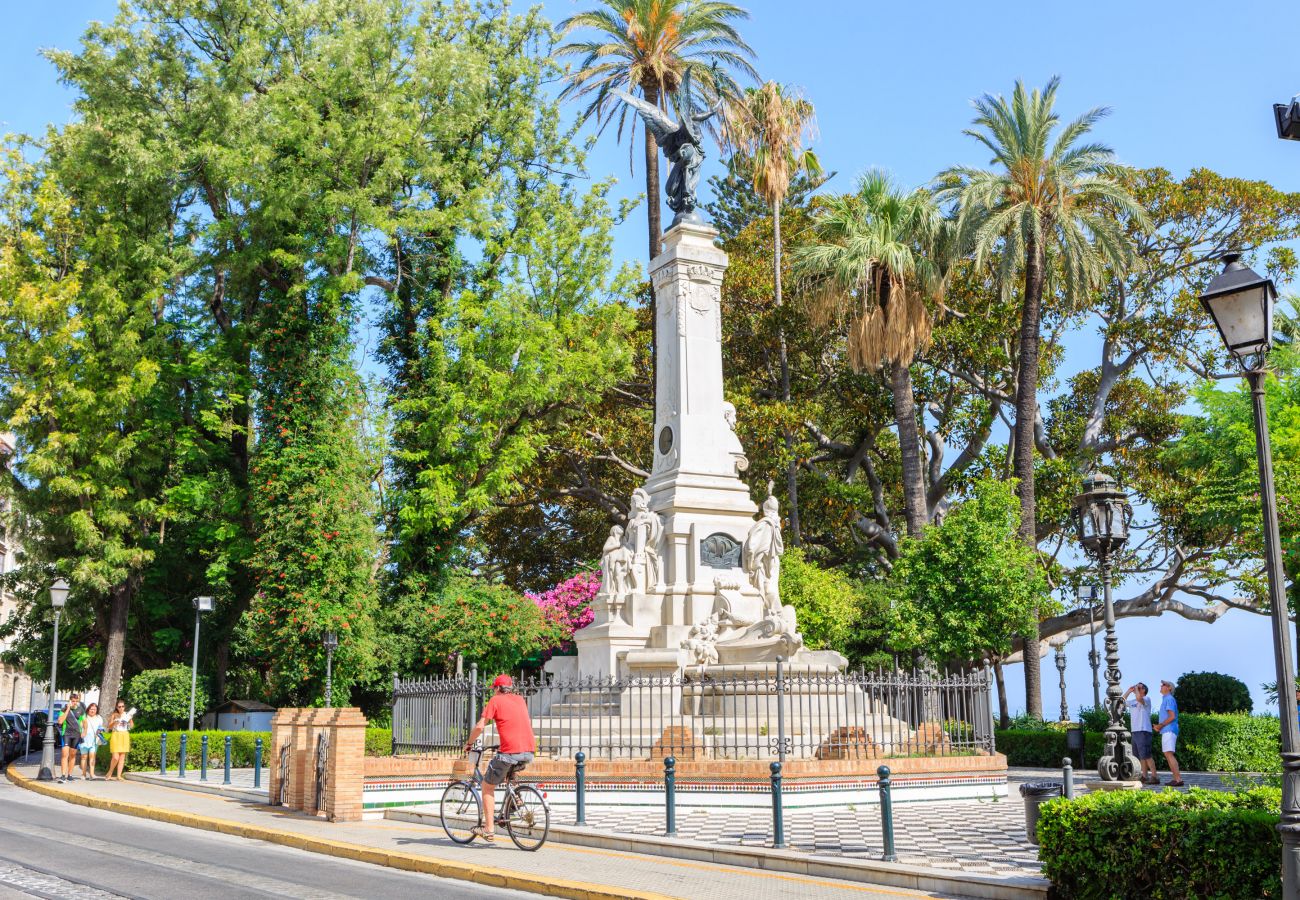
{"x":36,"y":723}
{"x":13,"y":736}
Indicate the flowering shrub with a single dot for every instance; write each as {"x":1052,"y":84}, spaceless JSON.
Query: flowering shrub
{"x":568,"y":604}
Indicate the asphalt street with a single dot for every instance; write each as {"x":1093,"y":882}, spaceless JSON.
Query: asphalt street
{"x":49,"y":848}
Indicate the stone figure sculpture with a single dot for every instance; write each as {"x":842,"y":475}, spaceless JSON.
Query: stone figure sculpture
{"x":763,"y":549}
{"x":645,"y":529}
{"x":615,"y":569}
{"x":683,"y":145}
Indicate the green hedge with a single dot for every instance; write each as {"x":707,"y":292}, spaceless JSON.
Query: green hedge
{"x":1206,"y":743}
{"x":145,"y":746}
{"x":1166,"y":845}
{"x":1043,"y":749}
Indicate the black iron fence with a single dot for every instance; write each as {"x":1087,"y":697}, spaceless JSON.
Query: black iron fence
{"x":791,"y":711}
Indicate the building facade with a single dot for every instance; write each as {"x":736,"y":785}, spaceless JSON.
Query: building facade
{"x":15,"y":685}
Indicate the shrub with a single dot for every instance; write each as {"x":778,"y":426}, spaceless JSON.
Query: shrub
{"x":1163,"y":845}
{"x":1229,"y":743}
{"x":1094,"y":718}
{"x":1043,"y":748}
{"x":379,"y":742}
{"x":161,"y":697}
{"x":146,"y":747}
{"x":568,"y":604}
{"x":1212,"y":692}
{"x":828,"y":602}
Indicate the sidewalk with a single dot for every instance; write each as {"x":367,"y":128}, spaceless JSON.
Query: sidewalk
{"x":551,"y":871}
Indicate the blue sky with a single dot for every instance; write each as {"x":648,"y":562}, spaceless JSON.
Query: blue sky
{"x":1192,"y":86}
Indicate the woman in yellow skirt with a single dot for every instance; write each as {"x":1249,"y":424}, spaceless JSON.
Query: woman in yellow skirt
{"x":119,"y":739}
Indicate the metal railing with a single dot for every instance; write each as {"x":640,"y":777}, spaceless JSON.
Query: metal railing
{"x":795,"y":711}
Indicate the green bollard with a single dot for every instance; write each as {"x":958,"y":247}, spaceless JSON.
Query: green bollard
{"x":162,"y":754}
{"x":778,"y":820}
{"x":226,"y":779}
{"x":203,"y":758}
{"x":257,"y":763}
{"x":886,"y":814}
{"x":185,"y":742}
{"x":670,"y":790}
{"x":580,"y":785}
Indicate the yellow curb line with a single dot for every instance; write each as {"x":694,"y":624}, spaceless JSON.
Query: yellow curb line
{"x":500,"y":878}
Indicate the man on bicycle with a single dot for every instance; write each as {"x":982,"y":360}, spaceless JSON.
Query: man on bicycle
{"x":517,"y":745}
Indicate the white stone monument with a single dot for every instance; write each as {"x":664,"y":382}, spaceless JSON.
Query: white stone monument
{"x":693,"y":580}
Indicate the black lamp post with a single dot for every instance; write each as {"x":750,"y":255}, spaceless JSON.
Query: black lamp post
{"x":1101,"y":517}
{"x":58,"y":599}
{"x":1089,"y":595}
{"x":1241,"y":304}
{"x":201,"y":605}
{"x":1060,"y":670}
{"x":331,"y":644}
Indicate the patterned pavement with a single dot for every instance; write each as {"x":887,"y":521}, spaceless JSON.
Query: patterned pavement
{"x":39,"y":884}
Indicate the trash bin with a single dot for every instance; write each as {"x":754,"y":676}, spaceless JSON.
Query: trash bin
{"x":1074,"y":744}
{"x":1036,"y":793}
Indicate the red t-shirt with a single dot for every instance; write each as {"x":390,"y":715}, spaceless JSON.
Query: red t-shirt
{"x":514,"y":728}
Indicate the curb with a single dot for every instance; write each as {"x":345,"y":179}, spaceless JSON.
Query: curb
{"x":410,"y":862}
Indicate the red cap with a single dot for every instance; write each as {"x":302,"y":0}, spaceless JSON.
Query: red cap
{"x":503,"y":681}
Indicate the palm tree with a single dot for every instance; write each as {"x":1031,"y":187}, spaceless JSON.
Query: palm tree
{"x":1057,"y":201}
{"x":874,"y":261}
{"x":768,"y":128}
{"x":647,"y":46}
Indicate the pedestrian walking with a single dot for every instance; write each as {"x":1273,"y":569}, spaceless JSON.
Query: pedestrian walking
{"x":119,"y":739}
{"x":92,"y":730}
{"x":69,"y":722}
{"x":1139,"y":709}
{"x":1168,"y":728}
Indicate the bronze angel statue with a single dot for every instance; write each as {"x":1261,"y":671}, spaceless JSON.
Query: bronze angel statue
{"x":683,"y":144}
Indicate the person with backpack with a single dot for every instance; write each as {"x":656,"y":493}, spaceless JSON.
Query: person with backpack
{"x":69,"y":722}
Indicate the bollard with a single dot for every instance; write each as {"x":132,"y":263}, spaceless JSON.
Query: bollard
{"x":185,"y":741}
{"x":257,"y":763}
{"x":778,"y":820}
{"x":203,"y":758}
{"x":780,"y":710}
{"x":226,"y":779}
{"x":670,"y":799}
{"x":580,"y":785}
{"x":886,"y":814}
{"x":162,"y":754}
{"x":1067,"y":771}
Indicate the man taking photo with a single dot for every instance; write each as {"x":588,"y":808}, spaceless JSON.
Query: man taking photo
{"x":516,"y":747}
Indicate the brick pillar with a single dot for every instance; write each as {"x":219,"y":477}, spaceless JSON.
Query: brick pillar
{"x":283,"y":730}
{"x":302,"y":787}
{"x":346,"y":777}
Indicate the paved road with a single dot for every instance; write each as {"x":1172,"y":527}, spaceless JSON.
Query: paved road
{"x":53,"y":849}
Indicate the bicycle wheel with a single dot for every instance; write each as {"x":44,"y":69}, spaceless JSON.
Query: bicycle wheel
{"x":530,"y":819}
{"x":459,"y":811}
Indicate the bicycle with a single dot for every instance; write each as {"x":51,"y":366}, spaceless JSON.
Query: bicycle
{"x":524,"y":813}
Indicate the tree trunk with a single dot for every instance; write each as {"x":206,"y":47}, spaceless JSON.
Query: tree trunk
{"x":1004,"y":712}
{"x":909,"y":437}
{"x":110,"y":681}
{"x":1026,"y":412}
{"x":792,"y":469}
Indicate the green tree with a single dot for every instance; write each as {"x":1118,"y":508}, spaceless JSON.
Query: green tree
{"x":971,"y":585}
{"x":770,"y":126}
{"x":648,"y":46}
{"x":161,"y":697}
{"x":1048,"y":206}
{"x":875,"y":262}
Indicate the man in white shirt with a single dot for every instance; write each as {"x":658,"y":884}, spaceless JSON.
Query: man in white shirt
{"x":1139,"y":709}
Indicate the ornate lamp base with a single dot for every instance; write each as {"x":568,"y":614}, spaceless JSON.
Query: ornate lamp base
{"x":1117,"y":762}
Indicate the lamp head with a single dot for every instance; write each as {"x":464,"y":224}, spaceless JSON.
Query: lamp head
{"x":204,"y":604}
{"x":1102,"y":515}
{"x":1241,"y":302}
{"x":331,"y":641}
{"x":1287,"y":116}
{"x":59,"y":594}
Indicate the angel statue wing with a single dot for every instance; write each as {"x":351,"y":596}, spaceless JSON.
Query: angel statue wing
{"x":660,"y":125}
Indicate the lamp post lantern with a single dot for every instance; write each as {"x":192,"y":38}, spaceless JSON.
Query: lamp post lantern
{"x":58,"y":599}
{"x":1101,"y":518}
{"x":201,"y":605}
{"x":1242,"y":304}
{"x":1287,"y":116}
{"x":1060,"y":670}
{"x":1088,"y":594}
{"x":331,"y":644}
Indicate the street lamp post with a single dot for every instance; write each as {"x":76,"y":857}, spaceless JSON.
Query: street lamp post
{"x":1060,"y":670}
{"x":1241,"y":304}
{"x":331,"y":644}
{"x":201,"y":605}
{"x":1089,"y":594}
{"x":1101,"y":517}
{"x":58,"y":599}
